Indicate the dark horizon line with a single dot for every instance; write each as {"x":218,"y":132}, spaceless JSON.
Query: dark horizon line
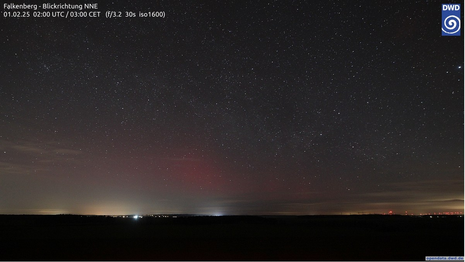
{"x":242,"y":215}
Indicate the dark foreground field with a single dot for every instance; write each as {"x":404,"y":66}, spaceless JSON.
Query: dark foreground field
{"x":230,"y":238}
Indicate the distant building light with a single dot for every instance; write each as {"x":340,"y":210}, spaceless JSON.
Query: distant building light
{"x":135,"y":217}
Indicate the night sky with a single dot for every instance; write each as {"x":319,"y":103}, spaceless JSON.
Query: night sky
{"x":233,"y":107}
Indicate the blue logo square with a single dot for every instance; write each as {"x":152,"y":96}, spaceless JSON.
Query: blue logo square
{"x":451,"y":20}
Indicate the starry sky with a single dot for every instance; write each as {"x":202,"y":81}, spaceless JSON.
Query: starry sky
{"x":233,"y":107}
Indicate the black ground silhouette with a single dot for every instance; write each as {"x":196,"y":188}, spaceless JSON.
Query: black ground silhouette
{"x":369,"y":237}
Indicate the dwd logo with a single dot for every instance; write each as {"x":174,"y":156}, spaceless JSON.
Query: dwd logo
{"x":451,"y":23}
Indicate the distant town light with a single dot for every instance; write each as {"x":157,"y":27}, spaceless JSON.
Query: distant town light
{"x":135,"y":217}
